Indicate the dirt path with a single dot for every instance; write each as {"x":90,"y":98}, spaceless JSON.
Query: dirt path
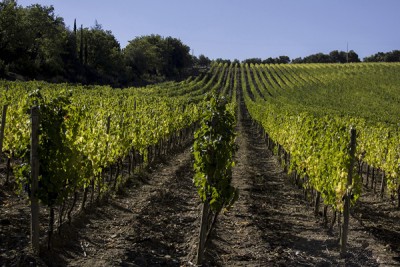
{"x":272,"y":225}
{"x":150,"y":225}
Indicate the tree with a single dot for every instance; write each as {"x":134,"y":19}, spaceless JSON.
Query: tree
{"x":298,"y":60}
{"x":338,"y":57}
{"x":236,"y":61}
{"x":102,"y":55}
{"x":278,"y":60}
{"x":269,"y":60}
{"x":81,"y":45}
{"x":204,"y":61}
{"x":13,"y":37}
{"x":353,"y":56}
{"x":223,"y":61}
{"x":252,"y":60}
{"x":48,"y":35}
{"x":36,"y":44}
{"x":283,"y":60}
{"x":393,"y":56}
{"x":140,"y":57}
{"x":72,"y":65}
{"x":317,"y":58}
{"x":32,"y":40}
{"x":153,"y":55}
{"x":177,"y":57}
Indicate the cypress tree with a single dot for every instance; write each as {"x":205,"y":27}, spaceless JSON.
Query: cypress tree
{"x":81,"y":46}
{"x":86,"y":51}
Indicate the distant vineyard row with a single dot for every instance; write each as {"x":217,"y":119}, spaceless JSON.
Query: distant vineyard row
{"x":309,"y":110}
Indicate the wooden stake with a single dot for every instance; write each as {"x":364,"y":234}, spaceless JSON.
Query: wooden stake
{"x":203,"y":233}
{"x":2,"y":127}
{"x":383,"y":182}
{"x":347,"y":197}
{"x":34,"y":178}
{"x":316,"y":204}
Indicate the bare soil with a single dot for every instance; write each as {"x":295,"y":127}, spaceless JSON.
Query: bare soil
{"x":154,"y":222}
{"x":150,"y":224}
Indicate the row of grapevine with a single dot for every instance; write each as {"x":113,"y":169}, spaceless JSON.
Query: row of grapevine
{"x":309,"y":110}
{"x":88,"y":132}
{"x":213,"y":150}
{"x":310,"y":141}
{"x":296,"y":104}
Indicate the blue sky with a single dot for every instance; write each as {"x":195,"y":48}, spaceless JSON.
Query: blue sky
{"x":241,"y":29}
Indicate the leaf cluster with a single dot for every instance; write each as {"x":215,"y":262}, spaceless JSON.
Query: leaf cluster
{"x":213,"y":151}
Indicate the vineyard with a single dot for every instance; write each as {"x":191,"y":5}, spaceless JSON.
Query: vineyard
{"x":243,"y":165}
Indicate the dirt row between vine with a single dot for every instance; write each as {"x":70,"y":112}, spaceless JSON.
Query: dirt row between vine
{"x":152,"y":223}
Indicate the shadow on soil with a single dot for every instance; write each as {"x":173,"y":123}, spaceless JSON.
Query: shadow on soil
{"x":377,"y":221}
{"x":158,"y":231}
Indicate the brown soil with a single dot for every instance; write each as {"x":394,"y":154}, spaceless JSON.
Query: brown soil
{"x":150,"y":224}
{"x":155,"y":220}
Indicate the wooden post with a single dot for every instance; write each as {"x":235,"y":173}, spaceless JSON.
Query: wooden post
{"x":347,"y":197}
{"x":108,"y":132}
{"x":383,"y":182}
{"x":316,"y":204}
{"x":34,"y":179}
{"x":373,"y":179}
{"x":398,"y":197}
{"x":203,"y":233}
{"x":2,"y":127}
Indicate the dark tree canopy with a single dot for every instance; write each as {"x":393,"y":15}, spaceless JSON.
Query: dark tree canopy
{"x":204,"y":61}
{"x":36,"y":44}
{"x":156,"y":55}
{"x":393,"y":56}
{"x":220,"y":60}
{"x":333,"y":57}
{"x":101,"y":55}
{"x":252,"y":61}
{"x":32,"y":40}
{"x":278,"y":60}
{"x":338,"y":57}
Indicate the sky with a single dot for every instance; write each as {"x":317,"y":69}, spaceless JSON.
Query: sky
{"x":238,"y":29}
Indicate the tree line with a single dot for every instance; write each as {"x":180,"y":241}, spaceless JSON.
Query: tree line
{"x":36,"y":44}
{"x":334,"y":56}
{"x":393,"y":56}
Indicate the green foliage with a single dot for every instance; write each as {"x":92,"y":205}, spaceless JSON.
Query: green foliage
{"x":102,"y":55}
{"x":56,"y":177}
{"x":204,"y":61}
{"x":393,"y":56}
{"x":309,"y":110}
{"x":155,"y":55}
{"x":213,"y":151}
{"x":333,"y":57}
{"x":278,"y":60}
{"x":76,"y":144}
{"x":252,"y":61}
{"x":36,"y":44}
{"x":32,"y":40}
{"x":56,"y":174}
